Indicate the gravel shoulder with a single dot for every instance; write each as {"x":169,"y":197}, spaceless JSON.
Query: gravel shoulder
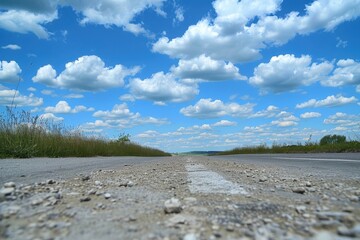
{"x":155,"y":200}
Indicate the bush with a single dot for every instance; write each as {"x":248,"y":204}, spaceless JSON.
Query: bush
{"x":332,"y":139}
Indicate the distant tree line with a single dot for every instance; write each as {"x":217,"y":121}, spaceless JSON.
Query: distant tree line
{"x":332,"y":139}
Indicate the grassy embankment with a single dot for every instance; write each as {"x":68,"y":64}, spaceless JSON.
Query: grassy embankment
{"x":24,"y":136}
{"x":349,"y":146}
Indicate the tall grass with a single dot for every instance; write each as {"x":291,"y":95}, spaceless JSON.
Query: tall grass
{"x":25,"y":136}
{"x":350,"y":146}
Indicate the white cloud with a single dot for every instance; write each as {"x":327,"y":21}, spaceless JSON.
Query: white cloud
{"x":162,"y":88}
{"x":119,"y":117}
{"x":270,"y":111}
{"x":87,"y":73}
{"x":205,"y":68}
{"x":63,"y":107}
{"x":250,"y":26}
{"x":114,"y":12}
{"x":74,"y":95}
{"x":344,"y":120}
{"x":310,"y":115}
{"x":286,"y":72}
{"x":330,"y":101}
{"x":346,"y":73}
{"x":206,"y":108}
{"x":11,"y":47}
{"x":22,"y":17}
{"x":14,"y":98}
{"x":285,"y":119}
{"x":22,"y":21}
{"x":51,"y":117}
{"x":9,"y":71}
{"x":179,"y":14}
{"x":224,"y":123}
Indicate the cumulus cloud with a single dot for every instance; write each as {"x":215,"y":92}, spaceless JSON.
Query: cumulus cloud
{"x":162,"y":88}
{"x":21,"y":21}
{"x":87,"y":73}
{"x":310,"y":115}
{"x":63,"y":107}
{"x":9,"y":71}
{"x":12,"y":97}
{"x":330,"y":101}
{"x":270,"y":111}
{"x":51,"y":117}
{"x":347,"y":72}
{"x":206,"y":108}
{"x":205,"y":68}
{"x":11,"y":47}
{"x":224,"y":123}
{"x":249,"y":26}
{"x":26,"y":16}
{"x":343,"y":120}
{"x":285,"y":119}
{"x":119,"y":117}
{"x":287,"y":72}
{"x":117,"y":13}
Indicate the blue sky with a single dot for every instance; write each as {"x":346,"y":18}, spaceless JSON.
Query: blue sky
{"x":186,"y":75}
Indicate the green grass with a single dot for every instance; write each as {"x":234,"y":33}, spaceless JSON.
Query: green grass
{"x":25,"y":136}
{"x":350,"y":146}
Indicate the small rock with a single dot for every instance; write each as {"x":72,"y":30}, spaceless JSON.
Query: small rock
{"x":308,"y":184}
{"x":9,"y":185}
{"x":7,"y":191}
{"x":85,"y":199}
{"x":299,"y":190}
{"x":190,"y":236}
{"x":263,"y":179}
{"x":300,"y":209}
{"x":50,"y":181}
{"x":344,"y":231}
{"x":91,"y":192}
{"x":37,"y":201}
{"x":172,"y":205}
{"x":85,"y":178}
{"x":107,"y":195}
{"x":98,"y":183}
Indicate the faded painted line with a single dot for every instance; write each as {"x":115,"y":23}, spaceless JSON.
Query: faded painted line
{"x":318,"y":159}
{"x":202,"y":180}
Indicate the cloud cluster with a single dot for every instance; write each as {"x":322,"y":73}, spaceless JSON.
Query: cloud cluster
{"x":347,"y":72}
{"x":330,"y":101}
{"x":286,"y":73}
{"x":87,"y":73}
{"x":25,"y":17}
{"x":63,"y":107}
{"x":9,"y":71}
{"x":235,"y":27}
{"x":206,"y":108}
{"x":120,"y":117}
{"x":14,"y":98}
{"x":162,"y":88}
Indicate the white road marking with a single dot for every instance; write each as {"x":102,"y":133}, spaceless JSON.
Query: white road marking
{"x":202,"y":180}
{"x":317,"y":159}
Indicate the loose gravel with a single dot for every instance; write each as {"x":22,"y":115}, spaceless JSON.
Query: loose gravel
{"x":155,"y":200}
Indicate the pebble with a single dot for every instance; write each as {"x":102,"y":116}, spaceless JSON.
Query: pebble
{"x":107,"y":195}
{"x":98,"y":183}
{"x":85,"y":178}
{"x":9,"y":185}
{"x":7,"y":191}
{"x":263,"y":179}
{"x":85,"y":199}
{"x":50,"y":181}
{"x":172,"y":205}
{"x":190,"y":236}
{"x":299,"y":190}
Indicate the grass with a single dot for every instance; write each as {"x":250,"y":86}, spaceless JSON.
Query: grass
{"x":25,"y":136}
{"x":350,"y":146}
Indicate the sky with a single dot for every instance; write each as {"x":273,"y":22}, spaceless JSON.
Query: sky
{"x":184,"y":75}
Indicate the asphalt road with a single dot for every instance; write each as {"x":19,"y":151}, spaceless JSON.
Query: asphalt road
{"x":343,"y":165}
{"x":40,"y":169}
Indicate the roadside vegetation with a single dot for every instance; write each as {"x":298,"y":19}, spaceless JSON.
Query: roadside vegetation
{"x":327,"y":144}
{"x":25,"y":136}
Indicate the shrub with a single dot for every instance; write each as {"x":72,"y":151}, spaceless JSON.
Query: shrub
{"x":332,"y":139}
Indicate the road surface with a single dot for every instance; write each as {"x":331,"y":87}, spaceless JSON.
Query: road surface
{"x":248,"y":197}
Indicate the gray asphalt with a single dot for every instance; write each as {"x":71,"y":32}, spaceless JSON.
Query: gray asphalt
{"x":344,"y":165}
{"x":40,"y":169}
